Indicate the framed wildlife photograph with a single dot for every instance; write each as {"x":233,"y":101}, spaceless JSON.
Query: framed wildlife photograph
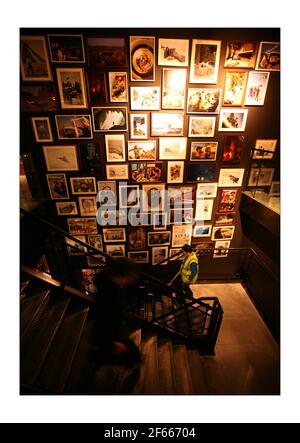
{"x":204,"y":100}
{"x":202,"y":231}
{"x":90,"y":158}
{"x":261,"y":176}
{"x":138,"y":126}
{"x":173,"y":88}
{"x":240,"y":54}
{"x":139,"y":256}
{"x":38,"y":98}
{"x":159,"y":238}
{"x":142,"y":59}
{"x":233,"y":120}
{"x":136,"y":238}
{"x":117,"y":172}
{"x":129,"y":196}
{"x":66,"y":48}
{"x":265,"y":145}
{"x":75,"y":248}
{"x":153,"y":198}
{"x":115,"y":251}
{"x":200,"y":172}
{"x":34,"y":60}
{"x":234,"y":89}
{"x":142,"y":150}
{"x":221,"y":249}
{"x":144,"y":98}
{"x":206,"y":190}
{"x":146,"y":172}
{"x":159,"y":254}
{"x":256,"y":88}
{"x":114,"y":235}
{"x":58,"y":187}
{"x":66,"y":208}
{"x":205,"y":61}
{"x":231,"y":177}
{"x":203,"y":151}
{"x":160,"y":221}
{"x":97,"y":87}
{"x":167,"y":124}
{"x":115,"y":148}
{"x":42,"y":129}
{"x":224,"y":219}
{"x":268,"y":58}
{"x":202,"y":126}
{"x":118,"y":87}
{"x":233,"y":150}
{"x":227,"y":200}
{"x":108,"y":119}
{"x":61,"y":158}
{"x":175,"y":172}
{"x":204,"y":208}
{"x":73,"y":126}
{"x":83,"y":185}
{"x":71,"y":87}
{"x":181,"y":235}
{"x":222,"y":233}
{"x":87,"y":206}
{"x":78,"y":226}
{"x":106,"y":52}
{"x":173,"y":52}
{"x":172,"y":148}
{"x":95,"y":241}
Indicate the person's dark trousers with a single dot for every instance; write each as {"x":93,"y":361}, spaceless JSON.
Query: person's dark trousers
{"x":184,"y":289}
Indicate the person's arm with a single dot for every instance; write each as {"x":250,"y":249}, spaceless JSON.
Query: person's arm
{"x":194,"y":270}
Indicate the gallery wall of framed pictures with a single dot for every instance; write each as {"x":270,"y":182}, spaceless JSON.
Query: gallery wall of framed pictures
{"x":171,"y":109}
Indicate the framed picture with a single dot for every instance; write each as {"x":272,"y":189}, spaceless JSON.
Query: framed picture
{"x":142,"y":59}
{"x":108,"y":119}
{"x":129,"y":196}
{"x":227,"y":200}
{"x":73,"y":126}
{"x":114,"y":235}
{"x":58,"y":187}
{"x":268,"y":58}
{"x":153,"y":198}
{"x":203,"y":248}
{"x":173,"y":252}
{"x":145,"y":98}
{"x":202,"y":126}
{"x":115,"y":250}
{"x":115,"y":148}
{"x":61,"y":158}
{"x":66,"y":48}
{"x":66,"y":208}
{"x":106,"y":52}
{"x":95,"y":241}
{"x":264,"y":145}
{"x":235,"y":86}
{"x":233,"y":120}
{"x":224,"y":219}
{"x":173,"y":88}
{"x":138,"y":126}
{"x":175,"y":172}
{"x":75,"y":248}
{"x":275,"y":189}
{"x":117,"y":172}
{"x":142,"y":150}
{"x":223,"y":233}
{"x":71,"y":87}
{"x":108,"y":190}
{"x":35,"y":65}
{"x":90,"y":158}
{"x":118,"y":87}
{"x":205,"y":61}
{"x":159,"y":254}
{"x":136,"y":238}
{"x":221,"y":249}
{"x":173,"y":52}
{"x":159,"y":238}
{"x":261,"y":176}
{"x":87,"y":206}
{"x":38,"y":98}
{"x":202,"y":231}
{"x":240,"y":54}
{"x":200,"y":172}
{"x":203,"y":151}
{"x":231,"y":177}
{"x":97,"y":87}
{"x":78,"y":226}
{"x":42,"y":129}
{"x":204,"y":209}
{"x":109,"y":216}
{"x":233,"y":150}
{"x":167,"y":124}
{"x":180,"y":196}
{"x":181,"y":216}
{"x":206,"y":190}
{"x":160,"y":221}
{"x":139,"y":218}
{"x":83,"y":185}
{"x":172,"y":148}
{"x":204,"y":100}
{"x":256,"y":88}
{"x":139,"y":256}
{"x":181,"y":235}
{"x":146,"y":172}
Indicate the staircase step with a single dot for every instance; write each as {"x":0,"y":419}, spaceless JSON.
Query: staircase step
{"x":166,"y":367}
{"x":183,"y":380}
{"x":30,"y":310}
{"x":197,"y":373}
{"x":148,"y":382}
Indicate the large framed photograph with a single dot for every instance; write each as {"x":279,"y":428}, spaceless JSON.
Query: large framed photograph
{"x":38,"y":98}
{"x":115,"y":251}
{"x":204,"y":208}
{"x":203,"y":151}
{"x":97,"y":87}
{"x":233,"y":120}
{"x":157,"y":238}
{"x":261,"y":176}
{"x":235,"y":86}
{"x":206,"y":190}
{"x":129,"y":196}
{"x":61,"y":158}
{"x":240,"y":54}
{"x":175,"y":171}
{"x":108,"y":119}
{"x":71,"y":86}
{"x":83,"y":185}
{"x":227,"y":200}
{"x":75,"y":248}
{"x":142,"y":59}
{"x":136,"y":238}
{"x":34,"y":60}
{"x":222,"y":232}
{"x":117,"y":172}
{"x":73,"y":126}
{"x":202,"y":231}
{"x":146,"y":172}
{"x":66,"y":48}
{"x":114,"y":235}
{"x":58,"y":187}
{"x":139,"y":126}
{"x":231,"y":177}
{"x":79,"y":226}
{"x":118,"y":87}
{"x":268,"y":58}
{"x":173,"y":88}
{"x":224,"y":219}
{"x":181,"y":235}
{"x":204,"y":100}
{"x":144,"y":98}
{"x":142,"y":150}
{"x":87,"y":206}
{"x":221,"y":249}
{"x":153,"y":198}
{"x":167,"y":124}
{"x":159,"y":254}
{"x":256,"y":88}
{"x":202,"y":126}
{"x":139,"y":256}
{"x":106,"y":52}
{"x":205,"y":61}
{"x":66,"y":208}
{"x":172,"y":148}
{"x":200,"y":172}
{"x":90,"y":158}
{"x":42,"y":129}
{"x":264,"y":145}
{"x":173,"y":52}
{"x":115,"y":148}
{"x":233,"y":150}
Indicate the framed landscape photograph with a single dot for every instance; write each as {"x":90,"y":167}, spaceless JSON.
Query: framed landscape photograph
{"x":42,"y":129}
{"x":173,"y":88}
{"x":136,"y":238}
{"x":159,"y":238}
{"x":61,"y":158}
{"x":114,"y":235}
{"x":202,"y":231}
{"x":108,"y":119}
{"x":181,"y":235}
{"x":206,"y":190}
{"x":117,"y":172}
{"x":256,"y":88}
{"x":78,"y":226}
{"x":227,"y":200}
{"x":159,"y":254}
{"x":175,"y":172}
{"x":202,"y":126}
{"x":167,"y":124}
{"x":222,"y":233}
{"x":172,"y":148}
{"x":173,"y":52}
{"x":71,"y":87}
{"x":233,"y":149}
{"x":106,"y":52}
{"x":97,"y":87}
{"x":66,"y":48}
{"x":83,"y":185}
{"x":144,"y":98}
{"x":203,"y":151}
{"x":224,"y":219}
{"x":90,"y":158}
{"x":58,"y":187}
{"x":35,"y":65}
{"x":118,"y":87}
{"x":204,"y":100}
{"x":240,"y":54}
{"x":205,"y":61}
{"x":142,"y":150}
{"x":233,"y":120}
{"x":221,"y":249}
{"x":261,"y":176}
{"x":142,"y":58}
{"x":265,"y":145}
{"x":139,"y":256}
{"x":204,"y":208}
{"x":87,"y":206}
{"x":115,"y":251}
{"x":66,"y":208}
{"x":200,"y":172}
{"x":138,"y":126}
{"x":146,"y":172}
{"x":129,"y":196}
{"x":115,"y":148}
{"x":268,"y":58}
{"x":231,"y":177}
{"x":234,"y":89}
{"x":38,"y":98}
{"x":153,"y":198}
{"x":73,"y":126}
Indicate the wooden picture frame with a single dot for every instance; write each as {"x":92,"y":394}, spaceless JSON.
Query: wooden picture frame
{"x":34,"y":59}
{"x":42,"y":129}
{"x":71,"y":87}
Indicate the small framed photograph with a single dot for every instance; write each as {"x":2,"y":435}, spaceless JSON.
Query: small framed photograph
{"x":227,"y":200}
{"x":110,"y":216}
{"x":108,"y":119}
{"x":58,"y":187}
{"x":90,"y":158}
{"x":173,"y":52}
{"x":231,"y":177}
{"x":275,"y":189}
{"x":95,"y":241}
{"x":106,"y":52}
{"x":115,"y":148}
{"x":222,"y":232}
{"x":139,"y":218}
{"x":173,"y":88}
{"x":172,"y":148}
{"x":71,"y":86}
{"x":73,"y":126}
{"x":142,"y":150}
{"x":115,"y":251}
{"x":256,"y":88}
{"x":38,"y":98}
{"x":108,"y":187}
{"x":205,"y":61}
{"x":87,"y":206}
{"x":66,"y":208}
{"x":261,"y":176}
{"x":203,"y":151}
{"x":221,"y":249}
{"x":42,"y":129}
{"x":136,"y":238}
{"x":240,"y":54}
{"x":34,"y":60}
{"x":79,"y":226}
{"x":83,"y":185}
{"x":203,"y":248}
{"x":182,"y":196}
{"x":139,"y":256}
{"x":233,"y":150}
{"x":181,"y":216}
{"x":264,"y":145}
{"x":97,"y":87}
{"x":142,"y":59}
{"x":167,"y":124}
{"x":159,"y":254}
{"x":153,"y":198}
{"x":204,"y":208}
{"x":206,"y":190}
{"x":114,"y":235}
{"x":129,"y":196}
{"x":204,"y":100}
{"x":160,"y":221}
{"x":138,"y":126}
{"x":235,"y":86}
{"x":202,"y":126}
{"x":159,"y":238}
{"x":268,"y":58}
{"x":200,"y":172}
{"x":144,"y":98}
{"x":175,"y":172}
{"x":118,"y":87}
{"x":181,"y":235}
{"x":173,"y":252}
{"x":146,"y":172}
{"x":233,"y":120}
{"x":224,"y":219}
{"x":61,"y":158}
{"x":202,"y":231}
{"x":66,"y":48}
{"x":117,"y":172}
{"x":75,"y":248}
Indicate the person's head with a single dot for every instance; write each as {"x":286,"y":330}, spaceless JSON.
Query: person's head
{"x":123,"y":272}
{"x":187,"y":250}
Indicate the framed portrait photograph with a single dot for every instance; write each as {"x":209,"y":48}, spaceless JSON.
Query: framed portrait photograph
{"x":42,"y":129}
{"x":142,"y":150}
{"x":233,"y":149}
{"x":66,"y":208}
{"x":167,"y":124}
{"x":200,"y":172}
{"x":38,"y":98}
{"x":108,"y":119}
{"x":224,"y":219}
{"x":129,"y":196}
{"x":206,"y":190}
{"x":144,"y":98}
{"x":227,"y":200}
{"x":159,"y":254}
{"x":58,"y":187}
{"x":268,"y":58}
{"x":265,"y":145}
{"x":34,"y":60}
{"x":222,"y":232}
{"x":87,"y":206}
{"x":159,"y":238}
{"x":138,"y":126}
{"x":231,"y":177}
{"x":66,"y":48}
{"x":202,"y":231}
{"x":75,"y":248}
{"x":173,"y":52}
{"x":115,"y":148}
{"x":114,"y":235}
{"x":136,"y":238}
{"x":71,"y":87}
{"x":142,"y":58}
{"x":106,"y":52}
{"x":205,"y":61}
{"x":202,"y":126}
{"x":61,"y":158}
{"x":204,"y":208}
{"x":204,"y":100}
{"x":117,"y":172}
{"x":78,"y":226}
{"x":181,"y":235}
{"x":97,"y":87}
{"x":146,"y":172}
{"x":261,"y":176}
{"x":90,"y":157}
{"x":172,"y":148}
{"x":160,"y":221}
{"x":95,"y":240}
{"x":83,"y":185}
{"x":235,"y":87}
{"x":173,"y":88}
{"x":240,"y":54}
{"x":153,"y":198}
{"x":203,"y":151}
{"x":233,"y":120}
{"x":118,"y":87}
{"x":175,"y":171}
{"x":139,"y":256}
{"x":73,"y":126}
{"x":221,"y":249}
{"x":256,"y":88}
{"x":115,"y":251}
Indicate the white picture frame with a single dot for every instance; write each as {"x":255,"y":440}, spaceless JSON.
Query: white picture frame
{"x":202,"y":71}
{"x":233,"y":120}
{"x":201,"y":126}
{"x":231,"y":177}
{"x":115,"y":148}
{"x":175,"y":172}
